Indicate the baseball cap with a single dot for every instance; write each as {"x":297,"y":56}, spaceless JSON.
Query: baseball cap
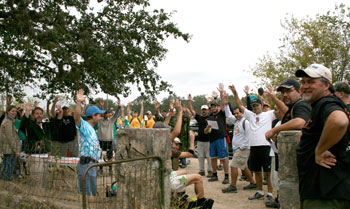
{"x":149,"y":112}
{"x":205,"y":107}
{"x":315,"y":71}
{"x":288,"y":84}
{"x":342,"y":87}
{"x":177,"y":140}
{"x":214,"y":103}
{"x":65,"y":107}
{"x":91,"y":110}
{"x":256,"y":101}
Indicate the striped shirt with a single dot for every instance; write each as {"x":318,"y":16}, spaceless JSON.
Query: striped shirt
{"x":89,"y":146}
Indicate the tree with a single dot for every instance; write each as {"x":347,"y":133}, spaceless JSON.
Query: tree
{"x":324,"y":39}
{"x":60,"y":46}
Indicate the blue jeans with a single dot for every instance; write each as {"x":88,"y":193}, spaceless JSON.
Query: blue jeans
{"x":8,"y":166}
{"x":90,"y":178}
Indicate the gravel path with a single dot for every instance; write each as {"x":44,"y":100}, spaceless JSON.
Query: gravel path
{"x":225,"y":201}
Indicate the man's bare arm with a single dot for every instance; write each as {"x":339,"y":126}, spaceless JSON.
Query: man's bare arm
{"x":177,"y":129}
{"x":294,"y":124}
{"x":189,"y":101}
{"x":238,"y":101}
{"x":270,"y":93}
{"x":77,"y":112}
{"x":333,"y":131}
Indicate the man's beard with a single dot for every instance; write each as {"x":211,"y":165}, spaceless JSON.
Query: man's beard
{"x":306,"y":98}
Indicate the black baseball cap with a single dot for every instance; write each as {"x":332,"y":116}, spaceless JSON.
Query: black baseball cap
{"x":214,"y":103}
{"x":288,"y":84}
{"x":256,"y":101}
{"x":342,"y":87}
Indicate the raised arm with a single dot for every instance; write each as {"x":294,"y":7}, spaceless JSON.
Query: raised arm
{"x":177,"y":129}
{"x":60,"y":112}
{"x":221,"y":90}
{"x":29,"y":108}
{"x":141,"y":109}
{"x":48,"y":108}
{"x":157,"y":106}
{"x":77,"y":112}
{"x":116,"y":113}
{"x":189,"y":101}
{"x":246,"y":91}
{"x":53,"y":107}
{"x":238,"y":101}
{"x":102,"y":104}
{"x":229,"y":116}
{"x":128,"y":110}
{"x":270,"y":93}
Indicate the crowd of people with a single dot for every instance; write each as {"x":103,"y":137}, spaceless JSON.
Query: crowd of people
{"x":313,"y":105}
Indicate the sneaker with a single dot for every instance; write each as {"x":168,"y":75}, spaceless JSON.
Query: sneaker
{"x":226,"y":181}
{"x":269,"y":200}
{"x":230,"y":189}
{"x":214,"y":178}
{"x":243,"y":178}
{"x":257,"y":196}
{"x":210,"y":174}
{"x":202,"y":173}
{"x":250,"y":186}
{"x":208,"y":204}
{"x":220,"y":167}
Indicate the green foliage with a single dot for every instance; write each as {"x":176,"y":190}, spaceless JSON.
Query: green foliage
{"x":61,"y":46}
{"x":324,"y":39}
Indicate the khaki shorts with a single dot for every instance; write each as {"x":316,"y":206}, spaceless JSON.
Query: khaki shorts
{"x":177,"y":183}
{"x":240,"y":158}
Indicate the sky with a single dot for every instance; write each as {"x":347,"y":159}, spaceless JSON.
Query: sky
{"x":228,"y":38}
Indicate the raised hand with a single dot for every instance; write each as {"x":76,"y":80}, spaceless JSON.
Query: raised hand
{"x":28,"y":107}
{"x":80,"y":95}
{"x":232,"y":88}
{"x":189,"y":97}
{"x":221,"y":88}
{"x":55,"y":99}
{"x":171,"y":104}
{"x":246,"y":90}
{"x":224,"y":98}
{"x":178,"y":105}
{"x":269,"y":91}
{"x":141,"y":102}
{"x":214,"y":94}
{"x":157,"y":104}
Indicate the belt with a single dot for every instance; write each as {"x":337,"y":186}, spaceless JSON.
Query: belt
{"x":86,"y":160}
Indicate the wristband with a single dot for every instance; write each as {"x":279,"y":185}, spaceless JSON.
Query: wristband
{"x":191,"y":151}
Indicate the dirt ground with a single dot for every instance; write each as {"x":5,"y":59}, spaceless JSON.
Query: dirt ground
{"x":225,"y":201}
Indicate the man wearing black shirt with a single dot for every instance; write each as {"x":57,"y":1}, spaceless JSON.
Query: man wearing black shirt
{"x":342,"y":90}
{"x":203,"y":139}
{"x":217,"y":137}
{"x":295,"y":113}
{"x":323,"y":151}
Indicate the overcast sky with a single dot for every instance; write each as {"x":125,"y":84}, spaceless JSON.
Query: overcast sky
{"x":228,"y":37}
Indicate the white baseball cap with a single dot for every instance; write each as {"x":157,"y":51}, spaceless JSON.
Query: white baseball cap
{"x":315,"y":71}
{"x":204,"y":107}
{"x":177,"y":140}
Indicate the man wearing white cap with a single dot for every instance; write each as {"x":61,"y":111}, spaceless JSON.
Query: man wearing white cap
{"x":323,"y":154}
{"x":203,"y":139}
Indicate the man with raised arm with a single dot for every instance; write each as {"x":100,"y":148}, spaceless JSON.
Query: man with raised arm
{"x":39,"y":134}
{"x":240,"y":145}
{"x":259,"y":123}
{"x":323,"y":153}
{"x":89,"y":146}
{"x":203,"y":139}
{"x":135,"y":119}
{"x":218,"y":146}
{"x":105,"y":130}
{"x":295,"y":111}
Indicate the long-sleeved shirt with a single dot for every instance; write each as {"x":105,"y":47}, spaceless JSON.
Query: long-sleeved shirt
{"x":9,"y":139}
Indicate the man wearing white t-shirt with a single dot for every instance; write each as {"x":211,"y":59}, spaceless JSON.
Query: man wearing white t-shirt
{"x":259,"y":123}
{"x":241,"y":146}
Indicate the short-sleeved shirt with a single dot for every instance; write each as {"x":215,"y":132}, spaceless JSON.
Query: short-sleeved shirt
{"x":89,"y":145}
{"x":315,"y":181}
{"x":67,"y":130}
{"x":202,"y":124}
{"x":220,"y":118}
{"x":135,"y":122}
{"x":299,"y":109}
{"x":259,"y":124}
{"x":149,"y":123}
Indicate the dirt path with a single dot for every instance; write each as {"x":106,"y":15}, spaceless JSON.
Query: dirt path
{"x":225,"y":201}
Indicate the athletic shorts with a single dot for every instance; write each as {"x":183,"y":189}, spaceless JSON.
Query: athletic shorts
{"x":260,"y":158}
{"x":240,"y":158}
{"x":218,"y":149}
{"x":177,"y":183}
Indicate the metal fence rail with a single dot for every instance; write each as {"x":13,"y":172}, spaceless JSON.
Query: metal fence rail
{"x":138,"y":183}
